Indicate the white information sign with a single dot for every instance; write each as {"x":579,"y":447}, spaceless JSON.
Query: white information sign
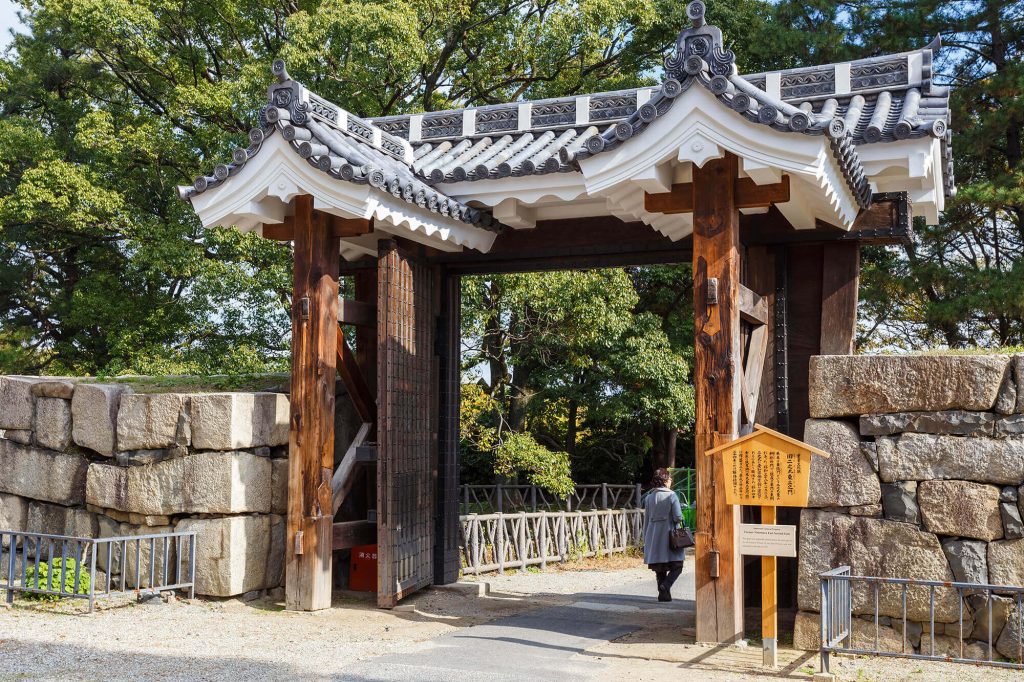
{"x":767,"y":540}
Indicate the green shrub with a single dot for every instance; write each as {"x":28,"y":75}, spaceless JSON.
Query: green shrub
{"x":51,"y":575}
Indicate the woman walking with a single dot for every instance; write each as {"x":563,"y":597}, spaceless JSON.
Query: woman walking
{"x":662,"y":513}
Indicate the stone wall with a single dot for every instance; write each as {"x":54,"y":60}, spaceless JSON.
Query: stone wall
{"x":99,"y":460}
{"x":924,"y":481}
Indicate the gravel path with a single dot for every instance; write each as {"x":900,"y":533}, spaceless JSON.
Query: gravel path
{"x":231,"y":640}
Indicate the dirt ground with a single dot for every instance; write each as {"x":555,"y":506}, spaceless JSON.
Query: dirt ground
{"x":259,"y":640}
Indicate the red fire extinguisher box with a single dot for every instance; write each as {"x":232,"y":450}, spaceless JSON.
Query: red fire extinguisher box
{"x":362,"y":575}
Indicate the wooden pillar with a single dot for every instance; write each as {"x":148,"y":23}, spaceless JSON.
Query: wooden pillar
{"x":311,"y":432}
{"x":716,"y":256}
{"x":446,"y":541}
{"x":839,"y":283}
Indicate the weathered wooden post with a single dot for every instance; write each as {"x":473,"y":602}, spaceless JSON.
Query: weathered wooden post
{"x":311,"y":431}
{"x":716,"y":283}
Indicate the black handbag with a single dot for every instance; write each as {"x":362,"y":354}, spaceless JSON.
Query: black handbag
{"x":680,"y":538}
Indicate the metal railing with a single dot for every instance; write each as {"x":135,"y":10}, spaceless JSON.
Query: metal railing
{"x":495,"y":542}
{"x":131,"y":564}
{"x":500,"y":498}
{"x":840,"y":597}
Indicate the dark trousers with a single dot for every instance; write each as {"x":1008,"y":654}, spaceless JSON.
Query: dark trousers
{"x":667,"y":573}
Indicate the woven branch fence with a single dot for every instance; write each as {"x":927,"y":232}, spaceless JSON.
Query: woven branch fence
{"x":495,"y":542}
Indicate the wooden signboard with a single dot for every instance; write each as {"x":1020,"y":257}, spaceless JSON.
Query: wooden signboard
{"x":767,"y":469}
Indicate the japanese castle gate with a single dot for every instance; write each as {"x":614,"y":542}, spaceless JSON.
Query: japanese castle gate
{"x":769,"y":183}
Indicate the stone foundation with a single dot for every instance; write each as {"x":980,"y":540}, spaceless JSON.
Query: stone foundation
{"x":98,"y":460}
{"x":925,"y":481}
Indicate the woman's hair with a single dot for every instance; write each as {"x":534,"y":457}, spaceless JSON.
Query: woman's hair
{"x":661,"y":478}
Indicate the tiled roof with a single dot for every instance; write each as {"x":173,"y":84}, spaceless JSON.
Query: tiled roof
{"x":868,"y":101}
{"x":342,"y":145}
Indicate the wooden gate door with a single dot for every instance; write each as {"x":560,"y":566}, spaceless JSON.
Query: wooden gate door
{"x":407,"y":383}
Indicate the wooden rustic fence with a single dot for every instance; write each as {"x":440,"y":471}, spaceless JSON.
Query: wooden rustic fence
{"x":495,"y":542}
{"x":499,"y":498}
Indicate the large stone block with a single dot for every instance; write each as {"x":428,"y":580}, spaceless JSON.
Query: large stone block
{"x":899,"y":502}
{"x":134,"y":562}
{"x":13,"y":514}
{"x":950,"y":422}
{"x":846,"y":385}
{"x":1009,"y":642}
{"x":980,"y":605}
{"x":94,"y":412}
{"x":152,"y":421}
{"x":227,"y":483}
{"x":968,"y":560}
{"x":52,"y":387}
{"x":1013,"y":425}
{"x":231,"y":553}
{"x":42,"y":474}
{"x":873,"y":547}
{"x":54,"y":519}
{"x":960,"y":509}
{"x":845,"y":478}
{"x":276,"y":554}
{"x":23,"y":436}
{"x":920,"y":457}
{"x":53,"y":423}
{"x":279,"y":483}
{"x":1018,"y":371}
{"x":807,"y":634}
{"x":17,"y":406}
{"x":203,"y":483}
{"x":231,"y":421}
{"x":1006,"y":562}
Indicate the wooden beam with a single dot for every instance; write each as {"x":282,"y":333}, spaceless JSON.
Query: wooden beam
{"x":753,"y":308}
{"x":753,"y":367}
{"x":839,"y":284}
{"x":311,"y":430}
{"x":344,"y":477}
{"x":336,"y":226}
{"x":358,"y":313}
{"x":349,"y":534}
{"x":747,"y":194}
{"x":355,"y":382}
{"x":716,"y":255}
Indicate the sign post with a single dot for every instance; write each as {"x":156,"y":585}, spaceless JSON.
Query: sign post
{"x":767,"y":469}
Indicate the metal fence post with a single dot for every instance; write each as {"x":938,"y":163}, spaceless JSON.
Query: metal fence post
{"x":533,"y":497}
{"x":639,"y":495}
{"x":604,"y":496}
{"x":92,"y":576}
{"x":500,"y":495}
{"x":826,"y":621}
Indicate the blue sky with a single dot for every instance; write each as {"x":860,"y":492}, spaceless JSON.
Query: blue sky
{"x":8,"y":20}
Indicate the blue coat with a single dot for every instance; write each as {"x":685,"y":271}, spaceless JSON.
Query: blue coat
{"x":662,"y":513}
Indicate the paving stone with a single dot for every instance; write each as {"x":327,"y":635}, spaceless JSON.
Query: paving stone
{"x":920,"y":457}
{"x":1006,"y":562}
{"x":846,"y":385}
{"x":899,"y":502}
{"x":968,"y":559}
{"x":53,"y":423}
{"x":152,"y":421}
{"x":94,"y":412}
{"x":874,"y":547}
{"x":42,"y":474}
{"x":845,"y":478}
{"x":17,"y":407}
{"x":231,"y":553}
{"x":960,"y":509}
